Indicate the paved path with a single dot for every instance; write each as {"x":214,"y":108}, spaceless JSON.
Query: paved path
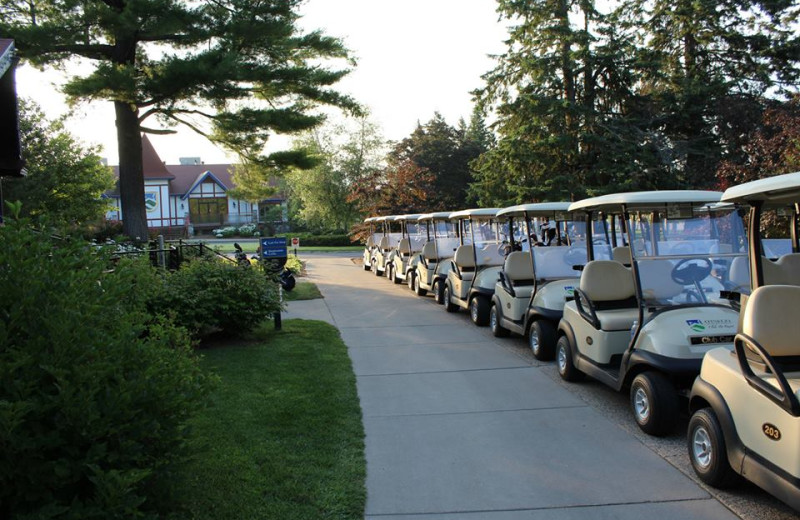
{"x":461,"y":425}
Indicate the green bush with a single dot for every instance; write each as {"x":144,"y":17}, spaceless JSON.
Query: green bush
{"x":95,"y":394}
{"x":211,"y":295}
{"x":309,"y":240}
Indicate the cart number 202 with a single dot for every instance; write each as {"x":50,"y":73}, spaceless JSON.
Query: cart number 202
{"x":772,"y":431}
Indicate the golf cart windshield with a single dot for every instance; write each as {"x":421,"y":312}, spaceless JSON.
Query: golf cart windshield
{"x":557,"y":248}
{"x":446,"y":236}
{"x":688,"y":254}
{"x":776,"y":224}
{"x":416,"y":234}
{"x":485,"y":235}
{"x":394,"y":232}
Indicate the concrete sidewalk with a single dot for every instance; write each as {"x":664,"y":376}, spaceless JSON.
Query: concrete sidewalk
{"x":460,"y":425}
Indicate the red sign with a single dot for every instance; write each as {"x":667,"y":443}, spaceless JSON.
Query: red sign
{"x":295,"y":242}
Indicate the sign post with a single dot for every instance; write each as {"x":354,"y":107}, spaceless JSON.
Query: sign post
{"x":295,"y":244}
{"x":273,"y":255}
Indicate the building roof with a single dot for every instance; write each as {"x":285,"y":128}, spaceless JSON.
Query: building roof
{"x":153,"y":166}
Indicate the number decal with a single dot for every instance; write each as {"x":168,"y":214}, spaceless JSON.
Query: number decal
{"x":772,"y":431}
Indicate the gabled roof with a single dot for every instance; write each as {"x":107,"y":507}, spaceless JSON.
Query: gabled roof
{"x":152,"y":165}
{"x":201,"y":179}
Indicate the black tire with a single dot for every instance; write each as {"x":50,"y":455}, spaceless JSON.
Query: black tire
{"x":394,"y":277}
{"x":654,"y":403}
{"x":566,"y":367}
{"x":375,"y":268}
{"x":542,"y":340}
{"x":438,"y":291}
{"x":707,"y":450}
{"x":387,"y":271}
{"x":449,"y":306}
{"x":494,"y":323}
{"x":417,"y":289}
{"x":410,"y":278}
{"x":367,"y":267}
{"x":479,"y":310}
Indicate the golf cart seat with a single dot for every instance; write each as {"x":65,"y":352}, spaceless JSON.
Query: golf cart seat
{"x":784,"y":271}
{"x":657,"y":283}
{"x":622,"y":254}
{"x":370,"y":241}
{"x":518,"y":270}
{"x":739,"y":275}
{"x":404,"y":247}
{"x":385,"y":245}
{"x":609,"y":288}
{"x":464,"y":262}
{"x":765,"y":322}
{"x":429,"y":253}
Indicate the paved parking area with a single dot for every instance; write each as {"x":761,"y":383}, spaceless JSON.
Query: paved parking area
{"x":462,"y":425}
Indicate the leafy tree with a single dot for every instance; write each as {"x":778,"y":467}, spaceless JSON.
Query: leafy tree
{"x":236,"y":71}
{"x":65,"y":180}
{"x":707,"y":65}
{"x":446,"y":153}
{"x":343,"y":156}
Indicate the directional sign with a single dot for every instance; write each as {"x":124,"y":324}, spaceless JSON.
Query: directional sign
{"x":273,"y":247}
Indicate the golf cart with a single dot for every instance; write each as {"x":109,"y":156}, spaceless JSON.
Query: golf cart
{"x":475,"y":265}
{"x":430,"y":272}
{"x":537,"y":274}
{"x":373,"y":239}
{"x":746,"y":404}
{"x":648,"y":326}
{"x":405,"y":255}
{"x":390,"y":237}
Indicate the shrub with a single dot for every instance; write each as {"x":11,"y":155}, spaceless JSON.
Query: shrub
{"x":247,"y":230}
{"x":208,"y":295}
{"x":225,"y":232}
{"x":95,"y":394}
{"x":294,"y":264}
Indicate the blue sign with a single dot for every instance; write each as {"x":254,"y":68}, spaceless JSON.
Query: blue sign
{"x":273,"y":247}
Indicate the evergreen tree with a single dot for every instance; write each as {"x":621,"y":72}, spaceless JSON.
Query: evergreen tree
{"x":236,"y":71}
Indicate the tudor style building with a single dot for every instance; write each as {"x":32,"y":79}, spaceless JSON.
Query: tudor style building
{"x":190,"y":194}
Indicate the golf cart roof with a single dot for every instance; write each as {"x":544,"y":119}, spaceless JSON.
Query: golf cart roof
{"x":438,"y":215}
{"x":645,"y":199}
{"x":385,"y":218}
{"x":542,"y":209}
{"x":469,"y":213}
{"x":370,"y":219}
{"x":778,"y":190}
{"x":413,"y":217}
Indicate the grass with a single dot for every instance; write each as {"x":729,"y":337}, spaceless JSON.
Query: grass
{"x":284,"y":437}
{"x":303,"y":291}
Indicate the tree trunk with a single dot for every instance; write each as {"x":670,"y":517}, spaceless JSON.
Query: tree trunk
{"x":131,"y":173}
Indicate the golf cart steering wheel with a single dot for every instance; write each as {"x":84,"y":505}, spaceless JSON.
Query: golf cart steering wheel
{"x":686,"y":273}
{"x":504,"y":248}
{"x":575,"y":256}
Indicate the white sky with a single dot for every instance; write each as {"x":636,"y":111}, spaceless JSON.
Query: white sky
{"x":415,"y":57}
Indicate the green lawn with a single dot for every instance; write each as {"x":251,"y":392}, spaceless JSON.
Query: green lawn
{"x":284,"y":438}
{"x":302,"y":291}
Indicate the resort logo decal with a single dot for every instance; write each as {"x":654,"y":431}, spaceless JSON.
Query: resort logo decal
{"x":696,"y":325}
{"x":150,"y":200}
{"x":723,"y":325}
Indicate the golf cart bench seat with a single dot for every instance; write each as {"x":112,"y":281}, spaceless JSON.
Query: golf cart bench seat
{"x":608,"y":285}
{"x":518,"y":274}
{"x":385,"y":244}
{"x":464,"y":262}
{"x":622,"y":254}
{"x":429,"y":253}
{"x":765,"y":321}
{"x":405,"y":247}
{"x":784,"y":271}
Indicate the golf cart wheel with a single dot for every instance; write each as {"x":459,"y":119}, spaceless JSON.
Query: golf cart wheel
{"x":367,"y":267}
{"x":438,"y":291}
{"x":394,"y":277}
{"x":417,"y":289}
{"x":375,"y":268}
{"x":566,"y":367}
{"x":541,"y":339}
{"x":388,"y":271}
{"x":494,"y":323}
{"x":410,"y":278}
{"x":449,"y":306}
{"x":479,"y":311}
{"x":707,"y":450}
{"x":654,"y":402}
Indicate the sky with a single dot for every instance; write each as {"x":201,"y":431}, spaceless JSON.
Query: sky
{"x":414,"y":58}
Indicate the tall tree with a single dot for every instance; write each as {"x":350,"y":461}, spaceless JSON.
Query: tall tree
{"x":707,"y":65}
{"x":446,"y":153}
{"x":236,"y":71}
{"x":65,"y":179}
